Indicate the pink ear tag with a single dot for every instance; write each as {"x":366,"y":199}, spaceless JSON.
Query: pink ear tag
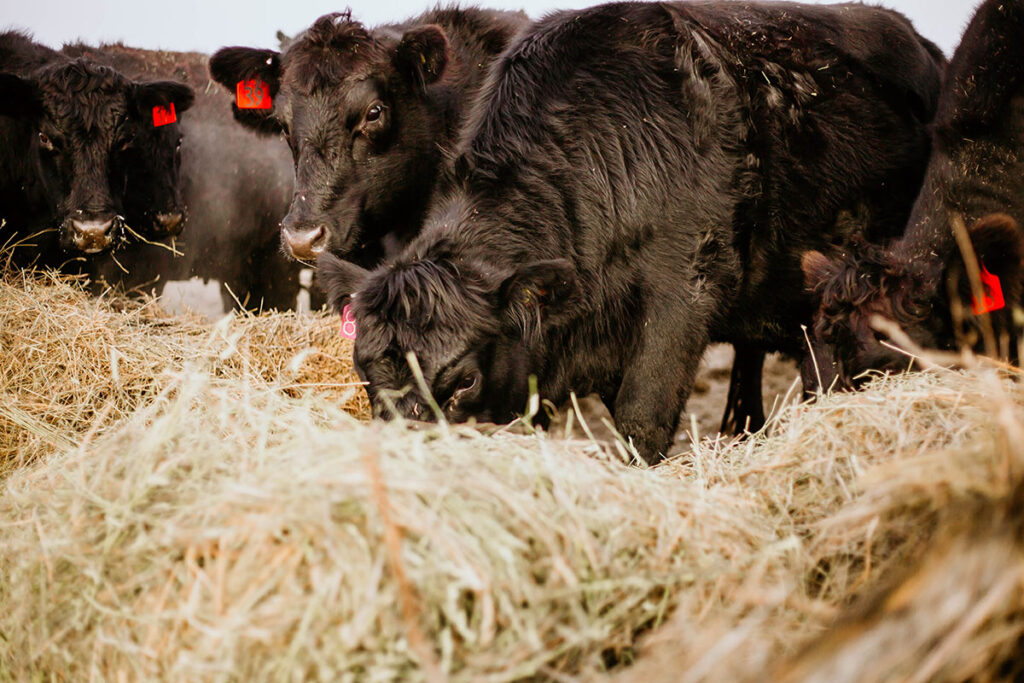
{"x":164,"y":115}
{"x":348,"y":323}
{"x":252,"y":94}
{"x":993,"y":298}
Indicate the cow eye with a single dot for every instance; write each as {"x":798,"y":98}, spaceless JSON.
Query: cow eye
{"x":45,"y":142}
{"x":467,"y":384}
{"x":374,"y":113}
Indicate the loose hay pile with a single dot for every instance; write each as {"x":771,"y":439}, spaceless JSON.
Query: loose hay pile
{"x":70,"y":363}
{"x":219,"y":527}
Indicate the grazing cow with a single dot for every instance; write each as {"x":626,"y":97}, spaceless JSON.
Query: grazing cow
{"x":636,"y":181}
{"x":235,"y":186}
{"x":975,"y":175}
{"x":77,"y":139}
{"x":369,"y":115}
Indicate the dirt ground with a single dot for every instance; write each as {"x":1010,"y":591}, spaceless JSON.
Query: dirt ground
{"x":703,"y":411}
{"x":707,"y":402}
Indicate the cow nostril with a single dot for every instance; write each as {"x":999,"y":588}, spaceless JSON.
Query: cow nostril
{"x":170,"y":222}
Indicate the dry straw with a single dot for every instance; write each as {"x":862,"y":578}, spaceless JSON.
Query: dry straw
{"x":223,"y":524}
{"x":70,"y":363}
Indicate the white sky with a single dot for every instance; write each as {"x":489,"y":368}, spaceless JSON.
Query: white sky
{"x":206,"y":25}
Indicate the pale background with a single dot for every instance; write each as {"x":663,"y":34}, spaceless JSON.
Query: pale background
{"x":205,"y":25}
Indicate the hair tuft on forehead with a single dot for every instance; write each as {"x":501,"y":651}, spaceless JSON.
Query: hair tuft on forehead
{"x":83,"y":91}
{"x":328,"y":51}
{"x":425,"y":294}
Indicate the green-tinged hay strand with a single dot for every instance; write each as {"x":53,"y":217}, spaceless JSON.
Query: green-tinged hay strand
{"x":228,"y":524}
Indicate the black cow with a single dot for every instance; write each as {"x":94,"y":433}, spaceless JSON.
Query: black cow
{"x":235,"y":186}
{"x":153,"y":203}
{"x":77,"y":141}
{"x":975,"y":175}
{"x":369,"y":115}
{"x":639,"y":180}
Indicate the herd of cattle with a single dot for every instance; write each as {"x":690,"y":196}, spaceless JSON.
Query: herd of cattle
{"x":589,"y":199}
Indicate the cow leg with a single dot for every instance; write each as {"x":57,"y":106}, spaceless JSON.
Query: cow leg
{"x":744,"y":408}
{"x":657,"y":381}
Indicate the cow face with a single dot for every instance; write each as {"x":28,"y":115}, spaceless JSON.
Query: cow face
{"x":476,"y":339}
{"x":153,"y":201}
{"x":354,"y":111}
{"x":87,"y":125}
{"x":931,"y":301}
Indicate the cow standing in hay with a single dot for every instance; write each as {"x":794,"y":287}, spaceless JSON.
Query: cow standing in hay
{"x":637,"y":181}
{"x":972,"y":201}
{"x":77,"y":142}
{"x":369,"y":116}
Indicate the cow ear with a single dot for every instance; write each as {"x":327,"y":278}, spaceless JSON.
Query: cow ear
{"x":230,"y":66}
{"x":18,"y":96}
{"x":339,"y":279}
{"x":999,"y":245}
{"x":817,"y":269}
{"x":538,"y":293}
{"x":422,"y":54}
{"x":163,"y":94}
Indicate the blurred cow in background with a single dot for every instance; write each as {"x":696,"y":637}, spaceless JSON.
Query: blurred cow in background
{"x":84,"y":149}
{"x":235,"y":188}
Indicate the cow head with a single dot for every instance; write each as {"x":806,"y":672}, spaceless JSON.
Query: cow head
{"x":87,"y":124}
{"x":353,"y":107}
{"x":927,"y":298}
{"x":477,"y":335}
{"x":153,"y":201}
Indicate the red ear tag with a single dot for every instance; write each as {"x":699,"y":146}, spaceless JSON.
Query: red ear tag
{"x":164,"y":115}
{"x":252,"y":94}
{"x":993,"y":298}
{"x":348,"y":323}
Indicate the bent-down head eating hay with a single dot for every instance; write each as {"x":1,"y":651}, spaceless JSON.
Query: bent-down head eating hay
{"x":191,"y":511}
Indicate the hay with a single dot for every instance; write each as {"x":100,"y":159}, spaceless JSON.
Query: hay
{"x":226,"y":529}
{"x":70,"y":363}
{"x":958,"y":615}
{"x":859,"y":485}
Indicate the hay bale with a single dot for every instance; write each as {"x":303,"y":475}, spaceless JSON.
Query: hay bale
{"x":71,"y":363}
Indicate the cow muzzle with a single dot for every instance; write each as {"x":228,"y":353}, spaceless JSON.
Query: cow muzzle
{"x":304,"y":243}
{"x":94,"y":235}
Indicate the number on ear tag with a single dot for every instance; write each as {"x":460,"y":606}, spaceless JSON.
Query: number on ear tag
{"x":164,"y":115}
{"x":348,"y":323}
{"x":252,"y":94}
{"x":993,"y":297}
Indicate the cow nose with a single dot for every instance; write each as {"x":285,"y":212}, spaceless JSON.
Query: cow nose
{"x":93,"y":236}
{"x":305,"y":243}
{"x":169,"y":223}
